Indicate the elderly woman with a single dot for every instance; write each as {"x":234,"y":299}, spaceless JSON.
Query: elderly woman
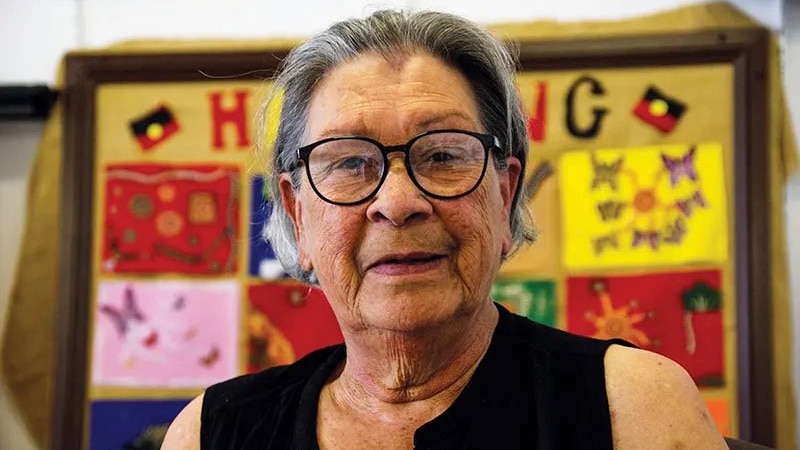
{"x":398,"y":159}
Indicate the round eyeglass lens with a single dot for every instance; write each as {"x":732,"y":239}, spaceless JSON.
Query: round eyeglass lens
{"x":345,"y":170}
{"x":447,"y":164}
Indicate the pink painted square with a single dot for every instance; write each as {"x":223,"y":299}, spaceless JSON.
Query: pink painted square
{"x":165,"y":333}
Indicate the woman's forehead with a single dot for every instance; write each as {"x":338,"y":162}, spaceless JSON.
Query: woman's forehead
{"x":368,"y":93}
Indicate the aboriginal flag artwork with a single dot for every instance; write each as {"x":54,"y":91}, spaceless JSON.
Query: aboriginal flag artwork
{"x":155,"y":127}
{"x":165,"y":218}
{"x":659,"y":110}
{"x":529,"y":298}
{"x":678,"y":315}
{"x":165,"y":333}
{"x":263,"y":263}
{"x":286,"y":321}
{"x":648,"y":206}
{"x":131,"y":424}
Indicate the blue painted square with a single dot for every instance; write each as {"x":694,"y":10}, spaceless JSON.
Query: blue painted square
{"x":131,"y":424}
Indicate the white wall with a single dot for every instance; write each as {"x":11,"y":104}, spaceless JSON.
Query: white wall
{"x":34,"y":34}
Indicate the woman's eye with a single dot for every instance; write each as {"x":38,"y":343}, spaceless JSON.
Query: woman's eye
{"x":352,"y":163}
{"x":357,"y":165}
{"x":441,"y":157}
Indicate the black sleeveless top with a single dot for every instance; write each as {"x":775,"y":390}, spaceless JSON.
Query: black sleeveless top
{"x":536,"y":388}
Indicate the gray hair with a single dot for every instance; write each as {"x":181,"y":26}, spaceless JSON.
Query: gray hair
{"x":478,"y":55}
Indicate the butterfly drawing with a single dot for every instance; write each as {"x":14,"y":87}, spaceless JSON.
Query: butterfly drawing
{"x":687,"y":206}
{"x":606,"y":173}
{"x":681,"y":167}
{"x":699,"y":199}
{"x":127,"y":316}
{"x":602,"y":243}
{"x":651,"y":237}
{"x":675,"y":232}
{"x":209,"y":359}
{"x":610,"y":210}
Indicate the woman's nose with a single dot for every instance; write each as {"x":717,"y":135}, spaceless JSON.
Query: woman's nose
{"x":398,"y":200}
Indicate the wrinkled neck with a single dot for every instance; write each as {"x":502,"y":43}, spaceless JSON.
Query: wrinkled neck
{"x":391,"y":368}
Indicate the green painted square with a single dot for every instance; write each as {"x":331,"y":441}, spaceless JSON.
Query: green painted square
{"x":534,"y":299}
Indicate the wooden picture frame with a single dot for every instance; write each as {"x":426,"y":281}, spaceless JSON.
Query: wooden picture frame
{"x":744,"y":50}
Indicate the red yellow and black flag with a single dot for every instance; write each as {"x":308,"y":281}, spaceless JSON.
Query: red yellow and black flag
{"x":155,"y":127}
{"x":659,"y":110}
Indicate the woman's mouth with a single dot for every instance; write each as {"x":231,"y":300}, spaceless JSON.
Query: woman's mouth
{"x":407,"y":264}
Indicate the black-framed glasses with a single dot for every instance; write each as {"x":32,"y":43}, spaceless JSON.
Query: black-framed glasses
{"x":442,"y":163}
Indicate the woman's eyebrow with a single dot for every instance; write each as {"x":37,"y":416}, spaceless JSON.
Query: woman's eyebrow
{"x":350,"y":128}
{"x":441,"y":119}
{"x":445,"y":118}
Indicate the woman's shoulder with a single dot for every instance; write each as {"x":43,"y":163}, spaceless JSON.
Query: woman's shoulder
{"x":654,"y":403}
{"x":184,"y":432}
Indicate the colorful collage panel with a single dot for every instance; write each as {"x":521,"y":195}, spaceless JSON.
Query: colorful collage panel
{"x":644,"y":207}
{"x":165,"y":334}
{"x":534,"y":299}
{"x":678,"y":315}
{"x":131,"y":424}
{"x":286,"y":321}
{"x":170,"y":219}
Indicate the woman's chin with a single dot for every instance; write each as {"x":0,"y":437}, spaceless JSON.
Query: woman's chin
{"x":413,"y":314}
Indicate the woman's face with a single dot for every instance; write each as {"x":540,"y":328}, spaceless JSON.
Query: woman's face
{"x":401,"y":261}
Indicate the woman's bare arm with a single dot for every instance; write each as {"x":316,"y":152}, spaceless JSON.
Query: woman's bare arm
{"x":655,"y":404}
{"x":184,"y":432}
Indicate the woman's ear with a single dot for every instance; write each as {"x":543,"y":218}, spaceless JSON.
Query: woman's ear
{"x":294,"y":209}
{"x":509,"y":180}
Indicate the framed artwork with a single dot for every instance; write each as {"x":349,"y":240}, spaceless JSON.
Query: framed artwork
{"x":647,"y":169}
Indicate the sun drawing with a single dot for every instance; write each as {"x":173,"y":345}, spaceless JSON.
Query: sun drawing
{"x":618,"y":322}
